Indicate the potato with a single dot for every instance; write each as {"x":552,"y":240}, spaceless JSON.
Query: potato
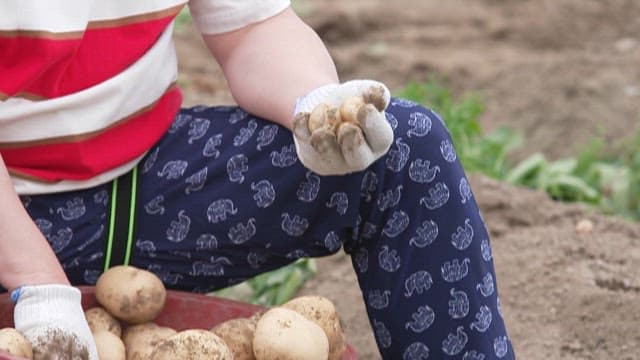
{"x":109,"y":346}
{"x":324,"y":116}
{"x":321,"y":311}
{"x":140,"y":340}
{"x":350,"y":107}
{"x":283,"y":334}
{"x":14,"y":343}
{"x":130,"y":294}
{"x":99,"y":319}
{"x":193,"y":345}
{"x":238,"y":335}
{"x":256,"y":316}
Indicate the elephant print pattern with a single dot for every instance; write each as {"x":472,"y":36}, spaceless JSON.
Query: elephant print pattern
{"x":222,"y":197}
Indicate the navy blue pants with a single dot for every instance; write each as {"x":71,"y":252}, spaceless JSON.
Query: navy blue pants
{"x":222,"y":198}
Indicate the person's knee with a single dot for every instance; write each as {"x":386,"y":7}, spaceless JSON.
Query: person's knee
{"x":419,"y":133}
{"x":411,"y":120}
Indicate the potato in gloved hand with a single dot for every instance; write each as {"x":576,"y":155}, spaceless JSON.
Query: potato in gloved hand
{"x":339,"y":129}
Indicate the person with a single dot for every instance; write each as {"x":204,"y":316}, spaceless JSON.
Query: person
{"x":100,"y":166}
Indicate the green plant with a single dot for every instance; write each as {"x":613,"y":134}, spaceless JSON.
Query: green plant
{"x":608,"y":181}
{"x":478,"y":152}
{"x":558,"y":178}
{"x":274,"y":287}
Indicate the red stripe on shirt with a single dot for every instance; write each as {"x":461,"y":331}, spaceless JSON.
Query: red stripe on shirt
{"x":85,"y":159}
{"x":25,"y":59}
{"x":52,"y":67}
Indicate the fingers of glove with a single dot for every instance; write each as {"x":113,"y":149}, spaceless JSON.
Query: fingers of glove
{"x":301,"y":126}
{"x":322,"y":164}
{"x":329,"y":153}
{"x":373,"y":92}
{"x":376,"y":128}
{"x":378,"y":96}
{"x":325,"y":143}
{"x":357,"y":153}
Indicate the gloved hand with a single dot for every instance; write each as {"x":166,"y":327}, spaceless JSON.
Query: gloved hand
{"x":52,"y":319}
{"x":342,"y":128}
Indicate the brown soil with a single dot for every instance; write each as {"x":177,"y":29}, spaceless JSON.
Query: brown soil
{"x":559,"y":72}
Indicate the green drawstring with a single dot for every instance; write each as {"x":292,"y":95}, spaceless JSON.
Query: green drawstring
{"x":112,"y":220}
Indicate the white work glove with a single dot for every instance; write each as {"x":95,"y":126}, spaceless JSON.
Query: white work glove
{"x":52,"y":319}
{"x":332,"y":139}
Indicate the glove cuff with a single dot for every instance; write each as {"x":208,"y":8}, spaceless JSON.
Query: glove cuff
{"x":335,"y":94}
{"x":310,"y":100}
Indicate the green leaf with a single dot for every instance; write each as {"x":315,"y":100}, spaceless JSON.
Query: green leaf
{"x":562,"y":166}
{"x":567,"y":187}
{"x":290,"y":287}
{"x":528,"y":170}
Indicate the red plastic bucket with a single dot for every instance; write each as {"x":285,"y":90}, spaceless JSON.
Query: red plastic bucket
{"x":182,"y":310}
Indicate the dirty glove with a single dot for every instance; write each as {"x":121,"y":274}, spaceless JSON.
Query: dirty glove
{"x":52,"y":319}
{"x":342,"y":128}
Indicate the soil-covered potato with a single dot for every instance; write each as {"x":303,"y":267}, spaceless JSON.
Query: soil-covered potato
{"x":283,"y":334}
{"x":350,"y":107}
{"x":323,"y":312}
{"x":256,"y":316}
{"x":14,"y":343}
{"x":140,"y":340}
{"x":99,"y":319}
{"x":131,"y":294}
{"x":238,"y":335}
{"x":193,"y":345}
{"x":110,"y":346}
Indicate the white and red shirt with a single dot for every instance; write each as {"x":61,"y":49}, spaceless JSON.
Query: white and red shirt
{"x":87,"y":87}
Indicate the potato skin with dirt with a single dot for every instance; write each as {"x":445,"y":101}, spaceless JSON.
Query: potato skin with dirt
{"x":131,"y":294}
{"x":140,"y":340}
{"x":238,"y":335}
{"x":99,"y":319}
{"x":193,"y":345}
{"x":283,"y":334}
{"x":323,"y":312}
{"x":110,"y":346}
{"x":13,"y":342}
{"x":350,"y":107}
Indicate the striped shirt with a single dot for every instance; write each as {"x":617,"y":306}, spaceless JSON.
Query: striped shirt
{"x":87,"y":87}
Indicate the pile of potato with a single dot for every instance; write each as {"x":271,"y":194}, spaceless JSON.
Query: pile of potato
{"x":130,"y":299}
{"x":12,"y":342}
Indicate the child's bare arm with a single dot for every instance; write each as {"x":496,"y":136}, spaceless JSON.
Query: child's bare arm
{"x":45,"y":301}
{"x":26,"y":257}
{"x":270,"y":64}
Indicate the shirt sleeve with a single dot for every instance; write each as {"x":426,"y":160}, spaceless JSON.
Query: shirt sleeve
{"x":220,"y":16}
